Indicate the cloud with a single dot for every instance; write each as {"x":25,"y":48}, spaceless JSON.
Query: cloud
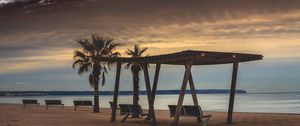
{"x":42,"y":60}
{"x":251,"y":26}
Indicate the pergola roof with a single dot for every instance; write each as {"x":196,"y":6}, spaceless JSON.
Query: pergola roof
{"x":180,"y":58}
{"x":198,"y":58}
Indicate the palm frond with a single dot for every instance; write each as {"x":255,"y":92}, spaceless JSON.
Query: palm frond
{"x":112,"y":46}
{"x":103,"y":78}
{"x":86,"y":46}
{"x":127,"y":66}
{"x":142,"y":51}
{"x":77,"y":62}
{"x":98,"y":43}
{"x":91,"y":80}
{"x":109,"y":64}
{"x":136,"y":50}
{"x":105,"y":70}
{"x":79,"y":54}
{"x":108,"y":42}
{"x":85,"y":67}
{"x":130,"y":52}
{"x":86,"y":59}
{"x":116,"y":54}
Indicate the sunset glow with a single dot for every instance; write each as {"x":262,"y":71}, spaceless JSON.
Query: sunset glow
{"x":44,"y":39}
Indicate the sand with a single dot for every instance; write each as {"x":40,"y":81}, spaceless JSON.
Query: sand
{"x":15,"y":115}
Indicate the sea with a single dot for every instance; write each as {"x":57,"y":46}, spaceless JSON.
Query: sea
{"x":250,"y":102}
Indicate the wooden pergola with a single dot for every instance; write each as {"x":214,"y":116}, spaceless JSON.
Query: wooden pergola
{"x":187,"y":58}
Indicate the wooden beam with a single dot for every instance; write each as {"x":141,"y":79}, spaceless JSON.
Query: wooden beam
{"x":116,"y":92}
{"x":186,"y":76}
{"x":193,"y":90}
{"x":148,"y":89}
{"x":155,"y":81}
{"x":232,"y":92}
{"x":154,"y":59}
{"x":179,"y":58}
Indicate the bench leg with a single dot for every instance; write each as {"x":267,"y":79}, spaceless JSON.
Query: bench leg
{"x":62,"y":106}
{"x":124,"y":119}
{"x":46,"y":107}
{"x":24,"y":105}
{"x":204,"y":121}
{"x":148,"y":117}
{"x":75,"y":108}
{"x":199,"y":120}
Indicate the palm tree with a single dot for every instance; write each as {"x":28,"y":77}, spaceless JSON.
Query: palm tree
{"x":135,"y":70}
{"x":97,"y":46}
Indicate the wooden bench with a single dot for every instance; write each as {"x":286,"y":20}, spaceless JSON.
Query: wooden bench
{"x":129,"y":109}
{"x":53,"y":103}
{"x":111,"y":104}
{"x":82,"y":103}
{"x":190,"y":111}
{"x":30,"y":102}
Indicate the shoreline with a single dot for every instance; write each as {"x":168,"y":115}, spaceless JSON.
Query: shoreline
{"x":111,"y":93}
{"x":14,"y":114}
{"x":167,"y":110}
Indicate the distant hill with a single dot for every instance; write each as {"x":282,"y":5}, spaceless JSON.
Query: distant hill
{"x":70,"y":93}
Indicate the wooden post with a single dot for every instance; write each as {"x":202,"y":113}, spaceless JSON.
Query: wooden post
{"x":153,"y":93}
{"x":116,"y":92}
{"x":193,"y":90}
{"x":186,"y":76}
{"x":232,"y":92}
{"x":155,"y":81}
{"x":148,"y":89}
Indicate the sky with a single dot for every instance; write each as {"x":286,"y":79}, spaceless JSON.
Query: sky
{"x":37,"y":42}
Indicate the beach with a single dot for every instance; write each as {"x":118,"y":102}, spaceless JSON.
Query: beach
{"x":15,"y":115}
{"x":236,"y":61}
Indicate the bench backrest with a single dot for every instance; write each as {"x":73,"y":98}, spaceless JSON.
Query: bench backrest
{"x":192,"y":110}
{"x":111,"y":104}
{"x":172,"y":109}
{"x":30,"y":101}
{"x":83,"y":103}
{"x":187,"y":110}
{"x":53,"y":102}
{"x":124,"y":109}
{"x":130,"y":109}
{"x":136,"y":110}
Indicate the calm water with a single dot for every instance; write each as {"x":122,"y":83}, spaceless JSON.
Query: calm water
{"x":266,"y":103}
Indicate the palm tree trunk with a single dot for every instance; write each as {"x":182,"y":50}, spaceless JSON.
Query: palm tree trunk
{"x":136,"y":90}
{"x":96,"y":96}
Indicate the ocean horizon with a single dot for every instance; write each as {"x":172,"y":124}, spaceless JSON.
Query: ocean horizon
{"x":142,"y":92}
{"x":250,"y":102}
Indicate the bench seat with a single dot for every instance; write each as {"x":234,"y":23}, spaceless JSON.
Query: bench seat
{"x":30,"y":102}
{"x":130,"y":109}
{"x":53,"y":103}
{"x":190,"y":111}
{"x":82,"y":103}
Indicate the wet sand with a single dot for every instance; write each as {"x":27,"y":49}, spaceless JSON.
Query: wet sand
{"x":15,"y":115}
